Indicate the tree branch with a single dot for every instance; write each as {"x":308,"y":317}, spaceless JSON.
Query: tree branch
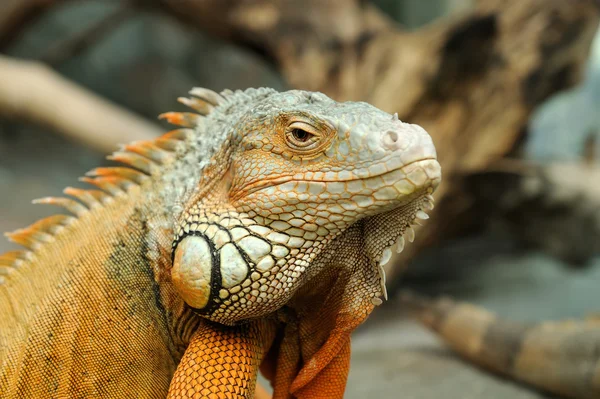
{"x":554,"y":206}
{"x":30,"y":91}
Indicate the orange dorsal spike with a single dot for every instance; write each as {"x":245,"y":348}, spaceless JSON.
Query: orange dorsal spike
{"x":129,"y":174}
{"x":29,"y":239}
{"x":184,"y":119}
{"x":150,"y":150}
{"x":50,"y":223}
{"x":39,"y":232}
{"x":135,"y":160}
{"x":91,"y":198}
{"x":177,"y":134}
{"x":9,"y":258}
{"x":198,"y":105}
{"x":141,"y":159}
{"x":69,"y":204}
{"x":207,"y":95}
{"x":109,"y":185}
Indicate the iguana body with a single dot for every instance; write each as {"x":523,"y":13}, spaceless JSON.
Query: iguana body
{"x":254,"y":237}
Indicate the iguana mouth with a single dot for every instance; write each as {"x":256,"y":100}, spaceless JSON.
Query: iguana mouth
{"x":340,"y":177}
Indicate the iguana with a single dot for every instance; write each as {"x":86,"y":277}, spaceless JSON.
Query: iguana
{"x":253,"y":236}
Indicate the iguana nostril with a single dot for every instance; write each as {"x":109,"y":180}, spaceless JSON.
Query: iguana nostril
{"x":390,"y":139}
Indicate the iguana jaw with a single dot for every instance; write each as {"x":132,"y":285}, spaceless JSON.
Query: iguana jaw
{"x":387,"y":228}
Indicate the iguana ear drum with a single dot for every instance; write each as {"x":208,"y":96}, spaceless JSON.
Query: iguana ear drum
{"x":192,"y":270}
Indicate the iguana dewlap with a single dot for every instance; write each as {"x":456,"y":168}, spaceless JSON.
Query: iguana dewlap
{"x":255,"y":236}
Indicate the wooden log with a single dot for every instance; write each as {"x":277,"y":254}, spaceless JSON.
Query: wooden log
{"x":553,"y":207}
{"x":30,"y":91}
{"x":472,"y":81}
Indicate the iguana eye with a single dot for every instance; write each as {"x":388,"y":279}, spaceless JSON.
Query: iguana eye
{"x":301,"y":136}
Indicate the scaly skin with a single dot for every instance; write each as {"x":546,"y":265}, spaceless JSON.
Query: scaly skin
{"x":559,"y":357}
{"x":255,"y":236}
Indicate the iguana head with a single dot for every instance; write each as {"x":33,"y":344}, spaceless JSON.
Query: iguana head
{"x":296,"y":170}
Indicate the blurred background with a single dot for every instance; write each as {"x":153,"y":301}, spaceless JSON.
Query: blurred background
{"x":509,"y":90}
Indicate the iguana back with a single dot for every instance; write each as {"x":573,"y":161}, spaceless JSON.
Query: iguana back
{"x":82,"y":312}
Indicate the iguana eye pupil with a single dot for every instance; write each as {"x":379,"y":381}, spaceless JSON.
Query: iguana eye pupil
{"x":301,"y":135}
